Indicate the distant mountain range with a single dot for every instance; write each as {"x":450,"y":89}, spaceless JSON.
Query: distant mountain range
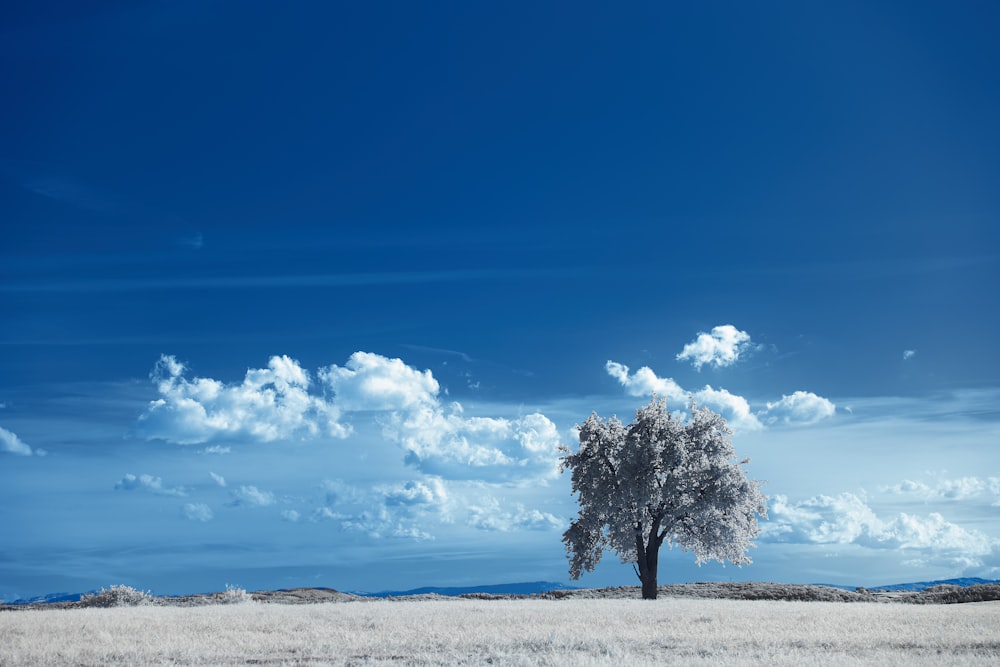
{"x":52,"y":597}
{"x":527,"y":588}
{"x":923,"y":585}
{"x":532,"y":587}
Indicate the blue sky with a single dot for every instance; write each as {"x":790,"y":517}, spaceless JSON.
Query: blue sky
{"x":308,"y":295}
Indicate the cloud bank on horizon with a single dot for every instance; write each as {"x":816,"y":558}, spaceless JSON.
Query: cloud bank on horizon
{"x":488,"y":472}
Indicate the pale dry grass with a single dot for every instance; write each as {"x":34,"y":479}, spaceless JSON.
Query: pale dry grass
{"x":507,"y":632}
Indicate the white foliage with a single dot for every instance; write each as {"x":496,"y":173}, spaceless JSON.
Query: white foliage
{"x":234,"y":595}
{"x":659,"y":480}
{"x":118,"y":596}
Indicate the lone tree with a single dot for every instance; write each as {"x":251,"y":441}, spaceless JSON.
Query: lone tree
{"x":660,"y":480}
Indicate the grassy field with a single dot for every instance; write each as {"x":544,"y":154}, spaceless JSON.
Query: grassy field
{"x":507,"y":632}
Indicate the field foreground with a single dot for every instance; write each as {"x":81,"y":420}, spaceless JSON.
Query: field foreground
{"x":453,"y":631}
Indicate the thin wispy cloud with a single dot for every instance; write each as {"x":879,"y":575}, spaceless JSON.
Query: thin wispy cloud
{"x":138,"y":284}
{"x":197,"y":512}
{"x":962,"y":488}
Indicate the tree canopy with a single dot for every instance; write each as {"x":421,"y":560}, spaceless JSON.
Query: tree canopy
{"x":660,"y":480}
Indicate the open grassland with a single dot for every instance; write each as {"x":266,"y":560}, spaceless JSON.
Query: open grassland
{"x":507,"y":632}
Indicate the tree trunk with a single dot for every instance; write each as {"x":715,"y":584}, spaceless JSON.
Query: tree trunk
{"x":648,"y":563}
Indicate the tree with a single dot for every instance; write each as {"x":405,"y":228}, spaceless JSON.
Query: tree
{"x":660,"y":480}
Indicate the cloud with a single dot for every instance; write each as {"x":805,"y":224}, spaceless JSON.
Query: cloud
{"x":197,"y":512}
{"x":387,"y":511}
{"x":270,"y":404}
{"x":722,"y":347}
{"x":645,"y":382}
{"x":370,"y":381}
{"x":963,"y":488}
{"x":439,"y":438}
{"x":274,"y":403}
{"x":291,"y":516}
{"x":219,"y":479}
{"x":240,"y":282}
{"x":379,"y":523}
{"x":251,"y":496}
{"x":132,"y":482}
{"x":429,"y":492}
{"x":848,"y":519}
{"x":488,"y":514}
{"x":11,"y":444}
{"x":800,"y":407}
{"x":909,"y":354}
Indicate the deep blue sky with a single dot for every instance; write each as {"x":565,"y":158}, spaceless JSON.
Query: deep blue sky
{"x":489,"y":202}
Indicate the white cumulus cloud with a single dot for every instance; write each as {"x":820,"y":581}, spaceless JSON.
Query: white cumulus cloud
{"x":428,"y":492}
{"x":848,"y":519}
{"x":132,"y":482}
{"x":909,"y":354}
{"x":370,"y":381}
{"x":270,"y":404}
{"x":11,"y":444}
{"x":722,"y":347}
{"x":489,"y":514}
{"x":251,"y":496}
{"x":218,"y":479}
{"x":439,"y":437}
{"x":800,"y":407}
{"x":645,"y":382}
{"x":275,"y":403}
